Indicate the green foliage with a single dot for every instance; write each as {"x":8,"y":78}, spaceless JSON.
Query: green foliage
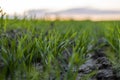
{"x":2,"y":21}
{"x":28,"y":42}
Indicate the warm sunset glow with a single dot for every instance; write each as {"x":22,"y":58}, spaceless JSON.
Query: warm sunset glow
{"x":19,"y":6}
{"x":52,"y":9}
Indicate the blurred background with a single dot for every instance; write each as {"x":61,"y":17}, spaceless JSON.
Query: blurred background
{"x":63,"y":9}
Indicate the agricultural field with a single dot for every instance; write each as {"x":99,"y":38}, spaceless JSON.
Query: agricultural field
{"x":59,"y":50}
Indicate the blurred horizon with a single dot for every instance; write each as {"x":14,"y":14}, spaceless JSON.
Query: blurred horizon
{"x":63,"y":9}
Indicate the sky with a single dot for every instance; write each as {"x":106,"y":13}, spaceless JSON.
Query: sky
{"x":19,"y":6}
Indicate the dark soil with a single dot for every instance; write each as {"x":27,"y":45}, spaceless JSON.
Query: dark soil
{"x":95,"y":61}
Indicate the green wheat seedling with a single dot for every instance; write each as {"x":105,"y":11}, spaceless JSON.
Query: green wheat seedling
{"x":2,"y":21}
{"x":39,"y":49}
